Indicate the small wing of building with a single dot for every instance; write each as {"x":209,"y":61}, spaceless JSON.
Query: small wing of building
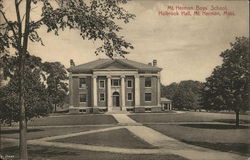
{"x":166,"y":104}
{"x":114,"y":84}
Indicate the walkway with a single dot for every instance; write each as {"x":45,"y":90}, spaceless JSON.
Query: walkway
{"x":123,"y":119}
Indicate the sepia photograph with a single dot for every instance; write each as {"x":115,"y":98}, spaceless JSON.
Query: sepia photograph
{"x":124,"y":80}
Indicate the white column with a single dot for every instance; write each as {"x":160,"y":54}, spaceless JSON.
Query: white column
{"x":94,"y":91}
{"x":109,"y":96}
{"x":137,"y":90}
{"x":159,"y":90}
{"x":123,"y":91}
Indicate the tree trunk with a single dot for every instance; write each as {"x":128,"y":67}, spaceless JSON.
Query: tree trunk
{"x":22,"y":52}
{"x":237,"y":118}
{"x":55,"y":109}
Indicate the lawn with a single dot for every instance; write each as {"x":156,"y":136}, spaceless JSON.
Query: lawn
{"x":88,"y":119}
{"x":40,"y":132}
{"x":212,"y":130}
{"x":52,"y":153}
{"x":187,"y":117}
{"x":214,"y":136}
{"x":121,"y":138}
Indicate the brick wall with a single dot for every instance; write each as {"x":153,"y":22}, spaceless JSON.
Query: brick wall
{"x":99,"y":90}
{"x":152,"y":90}
{"x":75,"y":94}
{"x":127,"y":90}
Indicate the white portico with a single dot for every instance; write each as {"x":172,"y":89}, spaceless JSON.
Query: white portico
{"x":116,"y":87}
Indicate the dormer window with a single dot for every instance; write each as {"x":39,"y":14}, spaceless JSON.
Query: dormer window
{"x":82,"y":82}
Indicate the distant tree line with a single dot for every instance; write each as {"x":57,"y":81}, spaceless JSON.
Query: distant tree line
{"x":184,"y":95}
{"x":45,"y":88}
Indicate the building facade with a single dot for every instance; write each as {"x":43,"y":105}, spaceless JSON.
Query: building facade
{"x":114,"y":84}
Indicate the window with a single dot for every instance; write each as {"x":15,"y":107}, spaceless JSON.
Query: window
{"x":148,"y":82}
{"x":82,"y":82}
{"x":129,"y":83}
{"x":82,"y":110}
{"x":148,"y":97}
{"x":102,"y":84}
{"x":115,"y":82}
{"x":83,"y":98}
{"x":130,"y":96}
{"x":102,"y":97}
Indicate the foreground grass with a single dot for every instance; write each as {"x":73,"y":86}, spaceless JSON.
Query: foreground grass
{"x":121,"y":138}
{"x":41,"y":132}
{"x":222,"y":137}
{"x":49,"y":153}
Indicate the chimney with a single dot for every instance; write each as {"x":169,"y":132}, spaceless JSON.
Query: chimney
{"x":150,"y":64}
{"x":72,"y":63}
{"x":154,"y":62}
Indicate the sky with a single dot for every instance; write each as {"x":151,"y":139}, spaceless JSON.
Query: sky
{"x":185,"y":47}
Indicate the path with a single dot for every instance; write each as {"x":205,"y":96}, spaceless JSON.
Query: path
{"x":123,"y":119}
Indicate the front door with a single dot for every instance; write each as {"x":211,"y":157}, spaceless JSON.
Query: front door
{"x":116,"y":99}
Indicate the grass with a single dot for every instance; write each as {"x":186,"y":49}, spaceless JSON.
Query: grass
{"x":214,"y":126}
{"x":215,"y":136}
{"x":242,"y":121}
{"x":52,"y":153}
{"x":121,"y":138}
{"x":73,"y":120}
{"x":35,"y":133}
{"x":184,"y":117}
{"x":220,"y":136}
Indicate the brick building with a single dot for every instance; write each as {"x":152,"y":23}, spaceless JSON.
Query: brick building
{"x":118,"y":84}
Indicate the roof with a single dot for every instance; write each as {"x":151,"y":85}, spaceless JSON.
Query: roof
{"x":103,"y":63}
{"x":163,"y":99}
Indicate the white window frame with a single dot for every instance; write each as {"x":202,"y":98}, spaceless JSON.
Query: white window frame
{"x":131,"y":83}
{"x":112,"y":84}
{"x":103,"y":97}
{"x":131,"y":96}
{"x":80,"y":97}
{"x":145,"y":96}
{"x":83,"y":85}
{"x":150,"y":82}
{"x":100,"y":84}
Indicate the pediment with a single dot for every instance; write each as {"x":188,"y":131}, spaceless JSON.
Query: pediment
{"x":115,"y":65}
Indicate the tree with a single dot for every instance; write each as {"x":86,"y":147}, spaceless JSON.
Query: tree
{"x":170,"y":90}
{"x":227,"y":87}
{"x":56,"y":83}
{"x":183,"y":99}
{"x":185,"y":94}
{"x":95,"y":20}
{"x":36,"y":98}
